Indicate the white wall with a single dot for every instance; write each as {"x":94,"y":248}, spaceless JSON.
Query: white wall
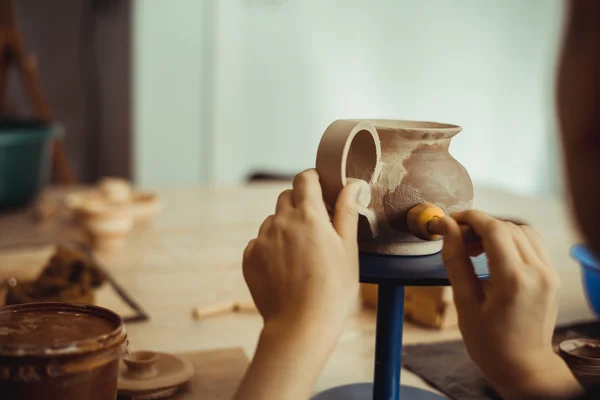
{"x":169,"y":92}
{"x":277,"y":72}
{"x":298,"y":65}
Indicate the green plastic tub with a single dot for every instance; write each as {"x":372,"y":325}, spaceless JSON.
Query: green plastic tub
{"x":24,"y":160}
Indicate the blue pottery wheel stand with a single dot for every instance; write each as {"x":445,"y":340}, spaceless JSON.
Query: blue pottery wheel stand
{"x":392,"y":274}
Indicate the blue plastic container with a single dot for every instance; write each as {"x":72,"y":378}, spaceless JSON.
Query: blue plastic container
{"x":590,"y":266}
{"x":25,"y":150}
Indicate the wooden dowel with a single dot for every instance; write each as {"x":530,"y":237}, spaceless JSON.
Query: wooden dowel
{"x":202,"y":312}
{"x":436,"y":226}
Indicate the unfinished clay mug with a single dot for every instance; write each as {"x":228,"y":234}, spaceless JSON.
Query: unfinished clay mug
{"x":403,"y":163}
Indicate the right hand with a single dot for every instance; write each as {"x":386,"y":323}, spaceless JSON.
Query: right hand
{"x":507,"y":321}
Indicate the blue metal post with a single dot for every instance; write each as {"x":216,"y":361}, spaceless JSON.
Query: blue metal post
{"x":388,"y":344}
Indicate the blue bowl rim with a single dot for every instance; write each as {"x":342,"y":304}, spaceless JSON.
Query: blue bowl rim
{"x":585,"y":257}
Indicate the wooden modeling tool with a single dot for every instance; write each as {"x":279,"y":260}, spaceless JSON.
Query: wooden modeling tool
{"x":425,"y":222}
{"x":222,"y":308}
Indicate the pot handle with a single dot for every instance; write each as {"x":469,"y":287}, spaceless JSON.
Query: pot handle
{"x":339,"y":161}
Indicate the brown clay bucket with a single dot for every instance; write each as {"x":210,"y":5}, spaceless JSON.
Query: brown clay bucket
{"x":51,"y":351}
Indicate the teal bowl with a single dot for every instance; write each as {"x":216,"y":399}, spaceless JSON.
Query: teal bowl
{"x":25,"y":150}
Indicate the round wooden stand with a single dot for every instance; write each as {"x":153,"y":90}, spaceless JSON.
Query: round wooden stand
{"x":392,"y":274}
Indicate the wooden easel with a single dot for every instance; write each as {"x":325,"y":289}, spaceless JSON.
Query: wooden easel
{"x":12,"y":50}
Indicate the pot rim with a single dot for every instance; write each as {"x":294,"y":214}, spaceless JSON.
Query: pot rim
{"x":415,"y":128}
{"x":77,"y":347}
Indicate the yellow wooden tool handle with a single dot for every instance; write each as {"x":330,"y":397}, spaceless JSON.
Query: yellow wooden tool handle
{"x":425,"y":222}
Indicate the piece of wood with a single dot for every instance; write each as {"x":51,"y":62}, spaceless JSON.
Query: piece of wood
{"x":212,"y":310}
{"x":368,"y":293}
{"x":217,"y":374}
{"x":429,"y":306}
{"x":432,"y":307}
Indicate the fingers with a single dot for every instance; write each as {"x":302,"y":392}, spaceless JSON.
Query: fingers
{"x":523,"y":245}
{"x":496,"y":239}
{"x":536,"y":241}
{"x":345,"y":217}
{"x":307,"y":190}
{"x":248,"y":249}
{"x":285,"y":202}
{"x":465,"y":284}
{"x":264,"y":228}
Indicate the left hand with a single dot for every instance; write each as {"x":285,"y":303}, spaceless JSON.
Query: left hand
{"x":302,"y":269}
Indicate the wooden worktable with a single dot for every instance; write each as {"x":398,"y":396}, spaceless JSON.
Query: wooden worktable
{"x":191,"y":256}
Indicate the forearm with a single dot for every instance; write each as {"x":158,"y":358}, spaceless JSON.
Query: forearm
{"x":286,"y":363}
{"x":551,"y":380}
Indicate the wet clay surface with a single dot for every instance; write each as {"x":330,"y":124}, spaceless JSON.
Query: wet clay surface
{"x":51,"y":328}
{"x":430,"y":174}
{"x":405,"y":163}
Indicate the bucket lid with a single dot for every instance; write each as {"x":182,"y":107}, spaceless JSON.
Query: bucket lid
{"x":52,"y":329}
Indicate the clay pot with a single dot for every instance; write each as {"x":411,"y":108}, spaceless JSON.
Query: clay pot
{"x":52,"y":351}
{"x":404,"y":163}
{"x":582,"y":356}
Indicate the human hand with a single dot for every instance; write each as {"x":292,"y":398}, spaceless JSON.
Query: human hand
{"x":302,"y":269}
{"x":507,"y":321}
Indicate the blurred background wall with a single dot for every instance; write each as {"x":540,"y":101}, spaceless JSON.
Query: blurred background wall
{"x":267,"y":76}
{"x":83,"y":50}
{"x":220,"y":89}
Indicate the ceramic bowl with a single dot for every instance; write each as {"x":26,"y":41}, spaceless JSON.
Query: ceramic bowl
{"x":590,"y":266}
{"x":145,"y":205}
{"x":25,"y":160}
{"x":115,"y":190}
{"x":75,"y":202}
{"x":108,"y":225}
{"x":583,"y":358}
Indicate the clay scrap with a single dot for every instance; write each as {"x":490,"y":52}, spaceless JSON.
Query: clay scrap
{"x":70,"y":276}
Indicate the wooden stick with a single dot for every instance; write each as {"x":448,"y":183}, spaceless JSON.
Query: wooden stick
{"x":436,"y":226}
{"x":202,"y":312}
{"x":425,"y":222}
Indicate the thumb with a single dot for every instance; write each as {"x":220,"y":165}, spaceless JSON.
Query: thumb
{"x":345,"y":217}
{"x":465,"y":285}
